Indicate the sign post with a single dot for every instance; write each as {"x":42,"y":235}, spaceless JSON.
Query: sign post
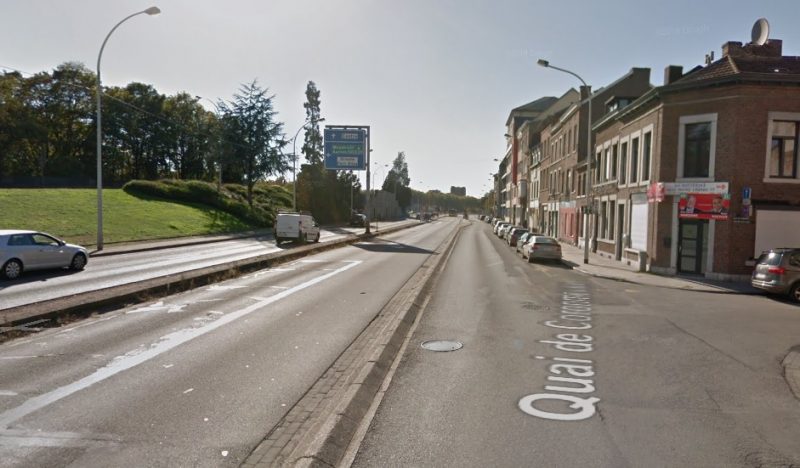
{"x":347,"y":148}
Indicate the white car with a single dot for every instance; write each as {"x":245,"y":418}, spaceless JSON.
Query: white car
{"x":541,"y":247}
{"x":296,"y":226}
{"x":31,"y":250}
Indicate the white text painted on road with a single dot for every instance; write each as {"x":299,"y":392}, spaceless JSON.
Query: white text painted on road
{"x":575,"y":314}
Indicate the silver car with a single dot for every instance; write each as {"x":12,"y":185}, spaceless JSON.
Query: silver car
{"x":778,"y":271}
{"x":32,"y":250}
{"x":541,"y":247}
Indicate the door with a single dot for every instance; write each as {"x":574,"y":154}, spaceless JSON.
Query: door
{"x":620,"y":247}
{"x":692,"y":246}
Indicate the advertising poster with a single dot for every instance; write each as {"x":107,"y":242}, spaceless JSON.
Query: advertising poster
{"x":704,"y":206}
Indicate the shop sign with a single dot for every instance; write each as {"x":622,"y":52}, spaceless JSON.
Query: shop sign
{"x":679,"y":188}
{"x":704,"y":206}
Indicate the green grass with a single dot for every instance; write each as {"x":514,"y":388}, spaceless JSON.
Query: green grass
{"x":72,"y":215}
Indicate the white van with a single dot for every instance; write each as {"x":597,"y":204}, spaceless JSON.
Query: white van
{"x":296,"y":226}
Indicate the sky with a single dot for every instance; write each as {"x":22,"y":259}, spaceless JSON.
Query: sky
{"x":433,"y":78}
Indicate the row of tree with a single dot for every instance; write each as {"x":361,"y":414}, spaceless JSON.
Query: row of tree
{"x":48,"y":128}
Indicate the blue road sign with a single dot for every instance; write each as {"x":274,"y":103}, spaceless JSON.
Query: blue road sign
{"x":746,"y":193}
{"x":345,"y":149}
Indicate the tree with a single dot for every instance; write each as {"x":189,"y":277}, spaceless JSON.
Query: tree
{"x":397,"y":181}
{"x":312,"y":144}
{"x":249,"y":121}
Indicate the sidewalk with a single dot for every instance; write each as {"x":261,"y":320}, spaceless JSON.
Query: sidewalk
{"x":602,"y":267}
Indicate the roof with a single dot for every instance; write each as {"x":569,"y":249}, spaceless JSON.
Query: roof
{"x":539,"y":105}
{"x":743,"y":68}
{"x":7,"y":232}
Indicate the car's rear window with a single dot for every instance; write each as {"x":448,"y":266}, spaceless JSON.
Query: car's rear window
{"x":546,"y":240}
{"x":770,"y":258}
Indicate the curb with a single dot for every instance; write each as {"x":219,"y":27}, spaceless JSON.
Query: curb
{"x":318,"y":429}
{"x":178,"y":243}
{"x":791,"y":370}
{"x":106,"y":299}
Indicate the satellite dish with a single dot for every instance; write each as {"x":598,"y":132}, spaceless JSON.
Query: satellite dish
{"x":760,"y":32}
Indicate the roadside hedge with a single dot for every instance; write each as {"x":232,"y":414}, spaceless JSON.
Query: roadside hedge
{"x":232,"y":198}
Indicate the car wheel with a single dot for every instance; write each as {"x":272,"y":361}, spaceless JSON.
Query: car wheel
{"x":794,"y":293}
{"x":278,"y":240}
{"x":530,"y":258}
{"x":12,"y":269}
{"x":317,"y":239}
{"x":78,"y":262}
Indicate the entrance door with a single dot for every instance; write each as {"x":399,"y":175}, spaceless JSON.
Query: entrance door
{"x":620,"y":246}
{"x":692,"y":245}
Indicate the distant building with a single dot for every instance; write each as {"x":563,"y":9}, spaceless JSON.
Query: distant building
{"x":461,"y":191}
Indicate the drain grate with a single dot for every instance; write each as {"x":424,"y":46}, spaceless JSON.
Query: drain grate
{"x":442,"y":345}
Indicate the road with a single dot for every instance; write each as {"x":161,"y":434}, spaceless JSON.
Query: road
{"x":108,"y":271}
{"x":646,"y":376}
{"x":198,"y":378}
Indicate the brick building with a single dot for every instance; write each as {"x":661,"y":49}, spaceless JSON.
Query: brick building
{"x":716,"y":148}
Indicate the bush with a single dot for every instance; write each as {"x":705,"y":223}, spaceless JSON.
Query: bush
{"x":231,"y":198}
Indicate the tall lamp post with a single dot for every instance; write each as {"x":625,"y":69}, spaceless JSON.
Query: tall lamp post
{"x":150,"y":11}
{"x":294,"y":161}
{"x":589,"y":153}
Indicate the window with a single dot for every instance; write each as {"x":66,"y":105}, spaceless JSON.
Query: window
{"x":610,"y":227}
{"x":697,"y":150}
{"x":783,"y":149}
{"x":598,"y":168}
{"x":623,"y":163}
{"x":613,"y":162}
{"x":634,"y":160}
{"x":646,"y":150}
{"x":603,"y":220}
{"x":607,"y":161}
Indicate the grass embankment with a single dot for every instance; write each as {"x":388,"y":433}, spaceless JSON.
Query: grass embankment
{"x":72,"y":215}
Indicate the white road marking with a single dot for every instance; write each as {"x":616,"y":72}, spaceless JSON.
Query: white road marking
{"x":311,"y":261}
{"x":188,"y":390}
{"x":219,"y":287}
{"x":157,"y":306}
{"x":141,"y":355}
{"x":279,"y":287}
{"x":283,"y":269}
{"x":93,"y":322}
{"x":7,"y":393}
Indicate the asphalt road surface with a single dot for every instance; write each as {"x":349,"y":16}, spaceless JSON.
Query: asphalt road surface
{"x":198,"y":378}
{"x":645,"y":377}
{"x":108,"y":271}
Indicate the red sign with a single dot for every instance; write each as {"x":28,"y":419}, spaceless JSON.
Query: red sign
{"x":704,"y":206}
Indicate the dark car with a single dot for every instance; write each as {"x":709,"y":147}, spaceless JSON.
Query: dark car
{"x":358,"y":219}
{"x":514,"y":236}
{"x":778,"y":271}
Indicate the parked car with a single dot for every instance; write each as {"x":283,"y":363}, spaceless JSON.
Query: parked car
{"x":778,"y":271}
{"x":31,"y":250}
{"x":514,"y":236}
{"x":498,"y":226}
{"x":523,"y":239}
{"x":358,"y":220}
{"x":501,"y":231}
{"x":508,"y":231}
{"x":541,"y":247}
{"x":296,"y":226}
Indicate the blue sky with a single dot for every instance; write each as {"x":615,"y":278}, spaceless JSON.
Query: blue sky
{"x":435,"y":79}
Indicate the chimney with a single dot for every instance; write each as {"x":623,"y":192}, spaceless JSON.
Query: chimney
{"x":733,"y":49}
{"x":672,"y":73}
{"x":771,"y":48}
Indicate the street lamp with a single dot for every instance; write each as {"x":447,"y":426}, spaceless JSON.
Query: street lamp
{"x":589,"y":154}
{"x":150,"y":11}
{"x":294,"y":161}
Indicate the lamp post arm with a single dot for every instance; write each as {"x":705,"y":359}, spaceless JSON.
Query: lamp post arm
{"x":567,"y":71}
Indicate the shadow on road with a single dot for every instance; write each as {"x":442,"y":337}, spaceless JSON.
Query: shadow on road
{"x":36,"y":276}
{"x":380,"y":245}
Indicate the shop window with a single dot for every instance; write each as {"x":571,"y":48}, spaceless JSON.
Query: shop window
{"x":647,"y":149}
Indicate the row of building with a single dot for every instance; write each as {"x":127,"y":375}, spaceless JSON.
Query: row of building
{"x":696,"y":176}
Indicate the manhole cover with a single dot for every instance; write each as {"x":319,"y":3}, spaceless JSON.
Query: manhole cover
{"x":441,"y":345}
